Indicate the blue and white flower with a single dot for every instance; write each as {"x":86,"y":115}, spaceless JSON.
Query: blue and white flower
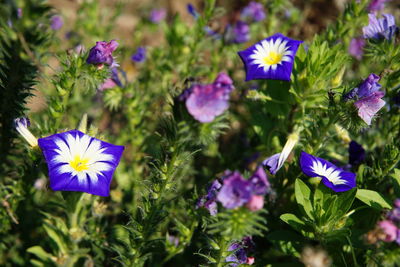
{"x":332,"y":176}
{"x":78,"y":162}
{"x":271,"y":58}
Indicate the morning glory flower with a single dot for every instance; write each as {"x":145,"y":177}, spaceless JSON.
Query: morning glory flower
{"x":157,"y":15}
{"x":140,"y":55}
{"x":276,"y":161}
{"x":332,"y":176}
{"x":235,"y":191}
{"x":356,"y":153}
{"x":271,"y":58}
{"x":21,"y":125}
{"x":356,"y":47}
{"x":369,"y":98}
{"x":101,"y":53}
{"x":78,"y":162}
{"x":56,"y":22}
{"x":253,"y":11}
{"x":205,"y":102}
{"x":380,"y":28}
{"x":209,"y":201}
{"x":237,"y":33}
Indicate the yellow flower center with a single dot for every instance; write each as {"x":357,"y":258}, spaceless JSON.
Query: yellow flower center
{"x":273,"y":58}
{"x":79,"y":164}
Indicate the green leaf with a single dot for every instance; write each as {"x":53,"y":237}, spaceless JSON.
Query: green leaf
{"x":396,"y":181}
{"x":373,"y":199}
{"x":40,"y":253}
{"x":293,"y":221}
{"x":303,"y":197}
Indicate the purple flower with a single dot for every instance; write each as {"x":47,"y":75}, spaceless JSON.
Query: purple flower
{"x":19,"y":13}
{"x":271,"y":163}
{"x":240,"y":251}
{"x":101,"y":53}
{"x":356,"y":153}
{"x":389,"y":230}
{"x":394,"y":214}
{"x":356,"y":47}
{"x":56,"y":22}
{"x":157,"y":15}
{"x":238,"y":33}
{"x":78,"y":162}
{"x":380,"y":28}
{"x":21,"y":125}
{"x":376,"y":5}
{"x":205,"y":102}
{"x":111,"y":82}
{"x":140,"y":55}
{"x":254,"y":11}
{"x":209,"y":201}
{"x":259,"y":182}
{"x":369,"y":98}
{"x":235,"y":192}
{"x":271,"y":58}
{"x":332,"y":176}
{"x":192,"y":11}
{"x":173,"y":240}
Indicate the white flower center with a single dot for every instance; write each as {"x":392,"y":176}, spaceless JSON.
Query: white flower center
{"x":270,"y":54}
{"x":330,"y":173}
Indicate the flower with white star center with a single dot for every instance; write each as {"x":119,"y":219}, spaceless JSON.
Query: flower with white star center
{"x":332,"y":176}
{"x":271,"y":58}
{"x":78,"y":162}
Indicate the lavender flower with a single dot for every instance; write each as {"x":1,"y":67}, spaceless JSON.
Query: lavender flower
{"x":271,"y":58}
{"x":380,"y":28}
{"x":356,"y":47}
{"x":376,"y":5}
{"x":259,"y":182}
{"x":56,"y":22}
{"x":157,"y":15}
{"x":205,"y":102}
{"x":209,"y":201}
{"x":332,"y":176}
{"x":139,"y":55}
{"x":78,"y":162}
{"x":240,"y":252}
{"x":369,"y":98}
{"x":235,"y":191}
{"x":253,"y":11}
{"x":356,"y":153}
{"x":238,"y":33}
{"x":101,"y":53}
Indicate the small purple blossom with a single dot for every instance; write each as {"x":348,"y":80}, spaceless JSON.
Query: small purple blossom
{"x":209,"y":201}
{"x":192,"y":11}
{"x":235,"y":191}
{"x":173,"y":240}
{"x":205,"y":102}
{"x":101,"y":53}
{"x":332,"y":176}
{"x":394,"y":214}
{"x":78,"y":162}
{"x":356,"y":48}
{"x":376,"y":5}
{"x":356,"y":153}
{"x":271,"y":163}
{"x":389,"y":230}
{"x":254,"y":11}
{"x":139,"y":55}
{"x":237,"y":33}
{"x":157,"y":15}
{"x":271,"y":58}
{"x":240,"y":252}
{"x":380,"y":28}
{"x":259,"y":182}
{"x":56,"y":22}
{"x":113,"y":81}
{"x":19,"y":13}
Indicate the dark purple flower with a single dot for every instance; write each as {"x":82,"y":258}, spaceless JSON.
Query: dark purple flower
{"x":78,"y":162}
{"x":259,"y":182}
{"x":376,"y":5}
{"x":157,"y":15}
{"x":356,"y":153}
{"x":238,"y":33}
{"x":271,"y":58}
{"x":235,"y":191}
{"x":192,"y":11}
{"x":271,"y":163}
{"x":240,"y":252}
{"x":209,"y":201}
{"x":369,"y":98}
{"x":205,"y":102}
{"x":140,"y":55}
{"x":356,"y":47}
{"x":101,"y":53}
{"x":380,"y":28}
{"x":56,"y":22}
{"x":332,"y":176}
{"x":253,"y":11}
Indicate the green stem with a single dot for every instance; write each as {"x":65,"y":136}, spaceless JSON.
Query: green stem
{"x":352,"y":251}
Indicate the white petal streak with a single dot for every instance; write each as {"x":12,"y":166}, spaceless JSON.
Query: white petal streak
{"x":330,"y":173}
